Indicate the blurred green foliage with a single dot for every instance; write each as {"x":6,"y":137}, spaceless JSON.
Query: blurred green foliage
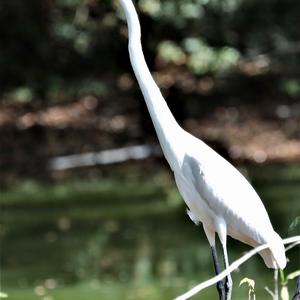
{"x":48,"y":48}
{"x":118,"y":237}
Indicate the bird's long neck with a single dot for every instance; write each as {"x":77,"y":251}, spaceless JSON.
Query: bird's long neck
{"x":167,"y":129}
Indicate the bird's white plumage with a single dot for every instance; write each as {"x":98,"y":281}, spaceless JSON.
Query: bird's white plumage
{"x":216,"y":193}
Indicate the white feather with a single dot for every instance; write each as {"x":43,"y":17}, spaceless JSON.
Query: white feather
{"x":215,"y":192}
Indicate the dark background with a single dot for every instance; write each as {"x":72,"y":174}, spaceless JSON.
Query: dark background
{"x":229,"y":71}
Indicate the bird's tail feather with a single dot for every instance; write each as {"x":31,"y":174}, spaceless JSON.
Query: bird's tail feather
{"x":274,"y":257}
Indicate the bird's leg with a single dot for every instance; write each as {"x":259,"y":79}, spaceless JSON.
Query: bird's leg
{"x":228,"y":279}
{"x":220,"y":284}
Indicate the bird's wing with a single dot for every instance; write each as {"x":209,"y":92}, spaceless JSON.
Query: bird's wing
{"x":229,"y":195}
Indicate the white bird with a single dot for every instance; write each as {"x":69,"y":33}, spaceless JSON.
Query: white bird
{"x":215,"y":192}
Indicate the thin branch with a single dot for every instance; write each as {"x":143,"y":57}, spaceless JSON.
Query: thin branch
{"x":270,"y":292}
{"x":292,"y":246}
{"x":231,"y":268}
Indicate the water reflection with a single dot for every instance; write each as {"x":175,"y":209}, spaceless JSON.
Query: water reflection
{"x":124,"y":240}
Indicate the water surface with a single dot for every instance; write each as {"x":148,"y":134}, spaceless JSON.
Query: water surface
{"x":125,"y":238}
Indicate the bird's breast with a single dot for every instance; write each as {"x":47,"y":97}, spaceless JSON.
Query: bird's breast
{"x":200,"y":210}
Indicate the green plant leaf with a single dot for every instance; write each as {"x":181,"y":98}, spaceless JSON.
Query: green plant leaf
{"x":251,"y":285}
{"x":293,"y":275}
{"x":284,"y":293}
{"x":251,"y":282}
{"x":294,"y":224}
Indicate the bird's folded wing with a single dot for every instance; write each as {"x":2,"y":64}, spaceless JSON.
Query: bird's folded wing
{"x":229,"y":195}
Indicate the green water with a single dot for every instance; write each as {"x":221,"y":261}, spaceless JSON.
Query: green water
{"x":125,"y":238}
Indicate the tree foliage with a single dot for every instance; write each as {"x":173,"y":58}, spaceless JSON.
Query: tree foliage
{"x":73,"y":45}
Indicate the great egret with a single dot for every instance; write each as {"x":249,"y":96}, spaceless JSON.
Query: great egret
{"x":216,"y":193}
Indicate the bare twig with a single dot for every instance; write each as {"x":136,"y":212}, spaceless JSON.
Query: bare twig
{"x":232,"y":267}
{"x":270,"y":292}
{"x":292,"y":246}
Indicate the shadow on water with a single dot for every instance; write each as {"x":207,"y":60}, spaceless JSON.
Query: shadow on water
{"x":118,"y":239}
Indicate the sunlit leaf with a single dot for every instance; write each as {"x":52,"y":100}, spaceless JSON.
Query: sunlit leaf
{"x":294,"y":224}
{"x":21,"y":94}
{"x":251,"y":286}
{"x":3,"y":295}
{"x":284,"y":293}
{"x":291,"y":87}
{"x":150,"y":6}
{"x":293,"y":275}
{"x":191,"y":10}
{"x":250,"y":282}
{"x":171,"y":52}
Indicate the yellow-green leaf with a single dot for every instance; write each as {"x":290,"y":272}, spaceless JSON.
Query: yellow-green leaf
{"x":293,"y":275}
{"x":3,"y":295}
{"x":284,"y":293}
{"x":251,"y":282}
